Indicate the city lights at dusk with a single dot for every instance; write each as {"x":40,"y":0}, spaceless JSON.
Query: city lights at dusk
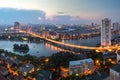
{"x":59,"y":40}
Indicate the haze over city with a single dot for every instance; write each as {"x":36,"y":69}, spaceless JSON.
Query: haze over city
{"x":58,"y":11}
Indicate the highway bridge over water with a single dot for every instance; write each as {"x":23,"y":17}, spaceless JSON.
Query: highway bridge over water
{"x":98,"y":49}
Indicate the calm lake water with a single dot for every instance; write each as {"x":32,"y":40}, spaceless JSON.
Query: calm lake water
{"x":44,"y":49}
{"x":36,"y":49}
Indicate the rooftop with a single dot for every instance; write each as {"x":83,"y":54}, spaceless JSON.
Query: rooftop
{"x":116,"y":67}
{"x":44,"y":75}
{"x":13,"y":77}
{"x":2,"y":78}
{"x":26,"y":67}
{"x":80,"y":61}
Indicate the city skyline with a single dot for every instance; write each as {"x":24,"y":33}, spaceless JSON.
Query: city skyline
{"x":59,"y":40}
{"x":58,"y":11}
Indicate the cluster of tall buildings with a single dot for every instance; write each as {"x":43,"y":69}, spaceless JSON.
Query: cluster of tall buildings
{"x":87,"y":65}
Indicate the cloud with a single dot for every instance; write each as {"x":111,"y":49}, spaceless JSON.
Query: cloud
{"x":67,"y":19}
{"x":10,"y":15}
{"x":61,"y":13}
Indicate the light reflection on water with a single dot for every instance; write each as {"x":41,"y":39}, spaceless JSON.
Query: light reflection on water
{"x":44,"y":49}
{"x":36,"y":49}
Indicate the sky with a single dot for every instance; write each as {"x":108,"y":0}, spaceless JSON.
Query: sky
{"x":58,"y":11}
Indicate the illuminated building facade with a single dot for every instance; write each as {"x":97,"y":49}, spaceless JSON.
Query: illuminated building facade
{"x":106,"y":32}
{"x":81,"y":67}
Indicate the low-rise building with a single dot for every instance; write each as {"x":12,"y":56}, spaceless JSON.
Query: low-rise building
{"x":9,"y":61}
{"x":3,"y":56}
{"x":115,"y":72}
{"x":81,"y":67}
{"x":44,"y":75}
{"x":13,"y":77}
{"x":3,"y":70}
{"x":118,"y":57}
{"x":26,"y":68}
{"x":2,"y":78}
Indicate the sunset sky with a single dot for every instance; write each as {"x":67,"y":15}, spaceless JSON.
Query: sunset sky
{"x":58,"y":11}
